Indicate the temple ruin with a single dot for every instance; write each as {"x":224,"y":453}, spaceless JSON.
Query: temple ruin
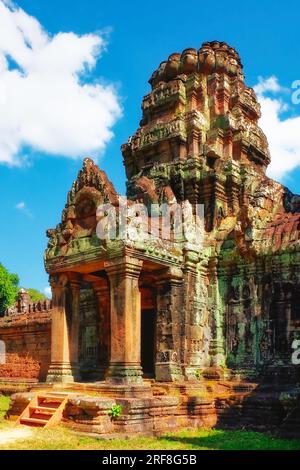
{"x":164,"y":311}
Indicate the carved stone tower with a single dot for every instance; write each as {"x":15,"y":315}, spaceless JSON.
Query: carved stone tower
{"x":199,"y":133}
{"x":171,"y":307}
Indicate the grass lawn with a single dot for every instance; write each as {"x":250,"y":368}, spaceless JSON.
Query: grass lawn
{"x":4,"y":404}
{"x":63,"y":438}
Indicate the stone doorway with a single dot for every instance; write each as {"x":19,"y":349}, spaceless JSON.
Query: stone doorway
{"x":148,"y":336}
{"x":89,"y":348}
{"x":148,"y":329}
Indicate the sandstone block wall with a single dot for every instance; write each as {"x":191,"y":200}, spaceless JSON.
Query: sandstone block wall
{"x":27,"y":339}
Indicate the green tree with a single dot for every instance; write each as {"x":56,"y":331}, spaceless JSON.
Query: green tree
{"x":36,"y":295}
{"x":8,"y":289}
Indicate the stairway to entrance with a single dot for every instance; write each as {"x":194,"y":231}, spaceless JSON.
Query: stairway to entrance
{"x":45,"y":410}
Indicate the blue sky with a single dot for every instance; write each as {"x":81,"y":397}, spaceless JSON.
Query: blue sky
{"x":138,"y":37}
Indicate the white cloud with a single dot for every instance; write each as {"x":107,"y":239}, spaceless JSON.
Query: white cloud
{"x":44,"y":103}
{"x":47,"y":291}
{"x":282,"y":131}
{"x":21,"y":206}
{"x":268,"y":84}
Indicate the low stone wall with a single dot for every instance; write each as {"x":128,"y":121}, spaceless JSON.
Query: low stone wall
{"x":18,"y":403}
{"x":153,"y":415}
{"x":27,"y":340}
{"x":232,"y":405}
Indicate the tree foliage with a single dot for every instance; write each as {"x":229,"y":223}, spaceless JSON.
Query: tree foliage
{"x":8,"y":289}
{"x":36,"y":295}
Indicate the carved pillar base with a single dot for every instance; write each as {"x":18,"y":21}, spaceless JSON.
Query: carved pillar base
{"x":190,"y":372}
{"x":125,"y":374}
{"x":216,"y":351}
{"x":63,"y":372}
{"x":168,"y":372}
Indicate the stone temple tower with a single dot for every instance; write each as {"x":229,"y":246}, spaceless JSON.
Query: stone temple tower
{"x":199,"y":133}
{"x":170,"y":308}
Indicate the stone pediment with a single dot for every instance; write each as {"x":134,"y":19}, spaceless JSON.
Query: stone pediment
{"x":77,"y":230}
{"x":199,"y":140}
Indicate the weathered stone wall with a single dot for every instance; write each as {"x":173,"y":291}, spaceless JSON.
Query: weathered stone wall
{"x":259,"y":308}
{"x":27,"y":339}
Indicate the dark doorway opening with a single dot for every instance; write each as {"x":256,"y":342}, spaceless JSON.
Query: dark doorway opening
{"x":148,"y":341}
{"x":89,"y":350}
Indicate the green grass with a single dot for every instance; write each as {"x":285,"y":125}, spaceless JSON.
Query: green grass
{"x":61,"y":438}
{"x":4,"y":405}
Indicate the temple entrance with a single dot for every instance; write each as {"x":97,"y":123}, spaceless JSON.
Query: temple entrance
{"x":148,"y":342}
{"x":89,"y":353}
{"x":148,"y":329}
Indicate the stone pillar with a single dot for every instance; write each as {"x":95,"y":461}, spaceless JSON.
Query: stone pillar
{"x":60,"y":368}
{"x":75,"y":282}
{"x":168,"y":328}
{"x":125,"y":317}
{"x":101,"y":289}
{"x":217,"y":308}
{"x":192,"y":337}
{"x":282,"y":314}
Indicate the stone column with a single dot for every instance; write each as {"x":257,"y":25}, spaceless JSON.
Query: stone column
{"x":125,"y":317}
{"x":101,"y":289}
{"x":75,"y":282}
{"x":192,"y":337}
{"x":60,"y":368}
{"x":217,"y":308}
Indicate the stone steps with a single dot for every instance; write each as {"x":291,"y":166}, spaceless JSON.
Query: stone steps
{"x":44,"y":410}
